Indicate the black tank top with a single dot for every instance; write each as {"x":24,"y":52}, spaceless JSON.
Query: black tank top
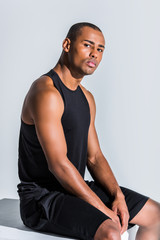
{"x":75,"y":120}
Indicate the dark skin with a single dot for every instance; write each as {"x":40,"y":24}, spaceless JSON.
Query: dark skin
{"x":43,"y":107}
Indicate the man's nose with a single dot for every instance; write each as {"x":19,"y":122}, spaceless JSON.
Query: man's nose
{"x":93,"y":53}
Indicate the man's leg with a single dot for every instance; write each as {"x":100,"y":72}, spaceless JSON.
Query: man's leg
{"x":143,"y":212}
{"x":148,"y":220}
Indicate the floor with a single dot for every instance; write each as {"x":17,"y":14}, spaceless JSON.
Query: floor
{"x":12,"y":228}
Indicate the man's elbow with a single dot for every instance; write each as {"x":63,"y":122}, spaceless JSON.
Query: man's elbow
{"x":92,"y":161}
{"x":58,"y":167}
{"x":90,"y":164}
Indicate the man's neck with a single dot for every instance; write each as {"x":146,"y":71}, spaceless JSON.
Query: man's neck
{"x":66,"y":76}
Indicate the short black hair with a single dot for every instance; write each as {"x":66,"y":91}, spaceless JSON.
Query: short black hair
{"x":75,"y":29}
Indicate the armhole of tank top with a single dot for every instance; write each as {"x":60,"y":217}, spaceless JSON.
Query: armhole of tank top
{"x":84,"y":96}
{"x":48,"y":75}
{"x":87,"y":104}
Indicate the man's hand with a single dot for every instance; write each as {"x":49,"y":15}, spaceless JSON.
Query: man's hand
{"x":114,"y":218}
{"x":120,"y":208}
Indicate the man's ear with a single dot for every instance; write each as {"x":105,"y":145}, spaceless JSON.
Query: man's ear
{"x":66,"y":44}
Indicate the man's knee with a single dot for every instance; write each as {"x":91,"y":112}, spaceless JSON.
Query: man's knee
{"x":108,"y":230}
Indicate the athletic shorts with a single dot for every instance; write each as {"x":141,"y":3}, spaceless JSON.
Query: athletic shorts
{"x":62,"y":213}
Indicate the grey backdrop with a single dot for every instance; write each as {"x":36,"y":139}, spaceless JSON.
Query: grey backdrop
{"x":126,"y":85}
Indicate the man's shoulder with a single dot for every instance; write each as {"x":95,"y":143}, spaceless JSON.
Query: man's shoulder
{"x":43,"y":87}
{"x":41,"y":97}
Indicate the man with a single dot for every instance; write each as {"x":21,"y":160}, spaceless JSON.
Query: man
{"x":58,"y":140}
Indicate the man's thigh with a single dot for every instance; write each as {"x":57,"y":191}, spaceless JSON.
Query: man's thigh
{"x":149,"y":214}
{"x":134,"y":200}
{"x":65,"y":214}
{"x":61,"y":213}
{"x":78,"y":219}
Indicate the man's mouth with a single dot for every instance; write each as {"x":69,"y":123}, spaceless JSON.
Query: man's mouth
{"x":91,"y":63}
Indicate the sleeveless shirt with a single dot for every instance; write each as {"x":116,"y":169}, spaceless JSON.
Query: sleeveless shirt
{"x":32,"y":163}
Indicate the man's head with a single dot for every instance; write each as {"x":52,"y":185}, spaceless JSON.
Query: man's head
{"x":83,"y":48}
{"x":76,"y":30}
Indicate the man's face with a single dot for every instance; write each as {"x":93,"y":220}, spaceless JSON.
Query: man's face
{"x":86,"y":51}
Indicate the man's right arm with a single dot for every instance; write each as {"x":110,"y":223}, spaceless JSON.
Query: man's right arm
{"x":46,"y":111}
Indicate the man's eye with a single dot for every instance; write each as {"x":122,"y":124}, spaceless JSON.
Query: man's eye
{"x":100,"y":50}
{"x":86,"y":45}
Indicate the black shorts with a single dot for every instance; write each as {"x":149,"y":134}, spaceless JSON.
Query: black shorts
{"x":61,"y":213}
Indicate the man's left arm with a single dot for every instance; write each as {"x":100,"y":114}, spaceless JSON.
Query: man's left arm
{"x":101,"y":171}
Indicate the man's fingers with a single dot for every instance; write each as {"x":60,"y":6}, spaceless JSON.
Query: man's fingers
{"x":117,"y":221}
{"x":124,"y":227}
{"x":114,"y":210}
{"x":124,"y":221}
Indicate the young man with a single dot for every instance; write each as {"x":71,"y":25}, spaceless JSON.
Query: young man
{"x":58,"y":140}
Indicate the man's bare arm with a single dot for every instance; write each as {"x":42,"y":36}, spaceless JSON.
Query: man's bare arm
{"x":101,"y":171}
{"x":47,"y":109}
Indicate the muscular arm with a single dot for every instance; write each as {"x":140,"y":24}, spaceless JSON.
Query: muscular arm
{"x":46,"y":111}
{"x":97,"y":164}
{"x":101,"y":171}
